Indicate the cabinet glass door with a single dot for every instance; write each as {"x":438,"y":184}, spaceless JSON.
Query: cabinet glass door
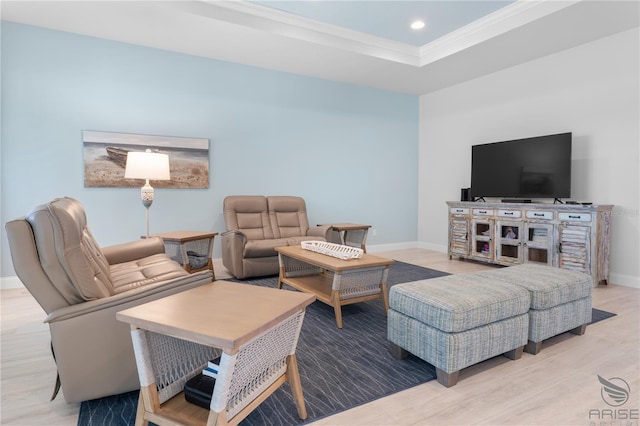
{"x":482,"y":239}
{"x":509,"y":242}
{"x":538,"y":245}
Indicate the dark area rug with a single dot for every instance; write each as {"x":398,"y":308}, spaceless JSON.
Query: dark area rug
{"x":598,"y":315}
{"x":339,"y":369}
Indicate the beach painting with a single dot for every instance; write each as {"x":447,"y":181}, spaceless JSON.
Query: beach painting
{"x":105,"y":156}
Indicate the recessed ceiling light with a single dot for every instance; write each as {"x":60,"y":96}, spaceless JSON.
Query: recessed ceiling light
{"x":417,"y":25}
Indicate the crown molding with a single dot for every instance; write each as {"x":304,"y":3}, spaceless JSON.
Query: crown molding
{"x":258,"y":17}
{"x":257,"y":20}
{"x":255,"y":16}
{"x":497,"y":23}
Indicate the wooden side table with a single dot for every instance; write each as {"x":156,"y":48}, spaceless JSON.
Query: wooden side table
{"x":254,"y":329}
{"x":352,"y":234}
{"x":192,"y":249}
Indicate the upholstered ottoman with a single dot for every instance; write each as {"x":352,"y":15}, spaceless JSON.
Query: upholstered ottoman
{"x":456,"y":321}
{"x":560,"y":299}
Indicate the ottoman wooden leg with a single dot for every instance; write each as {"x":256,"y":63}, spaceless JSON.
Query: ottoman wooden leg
{"x":397,"y":352}
{"x":533,"y":347}
{"x":447,"y":379}
{"x":515,"y":354}
{"x":579,"y":330}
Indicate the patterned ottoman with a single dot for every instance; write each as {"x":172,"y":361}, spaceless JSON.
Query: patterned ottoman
{"x":560,"y":299}
{"x":456,"y":321}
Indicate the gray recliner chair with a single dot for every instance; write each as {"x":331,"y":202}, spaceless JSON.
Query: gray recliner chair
{"x":256,"y":225}
{"x":81,"y":287}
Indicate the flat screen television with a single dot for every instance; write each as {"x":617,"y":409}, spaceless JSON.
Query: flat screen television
{"x":538,"y":167}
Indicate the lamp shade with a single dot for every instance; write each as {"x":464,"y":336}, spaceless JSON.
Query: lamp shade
{"x":147,"y":165}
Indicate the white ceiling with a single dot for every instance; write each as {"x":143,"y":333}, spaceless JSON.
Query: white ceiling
{"x":253,"y":34}
{"x":392,"y":19}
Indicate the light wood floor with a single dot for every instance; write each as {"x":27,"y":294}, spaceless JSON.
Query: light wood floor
{"x":559,"y":386}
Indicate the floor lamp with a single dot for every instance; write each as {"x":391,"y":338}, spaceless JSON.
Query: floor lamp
{"x":147,"y":165}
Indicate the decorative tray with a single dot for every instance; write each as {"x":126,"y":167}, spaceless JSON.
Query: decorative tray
{"x":334,"y":250}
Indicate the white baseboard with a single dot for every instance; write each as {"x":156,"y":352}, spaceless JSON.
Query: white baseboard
{"x":624,"y":280}
{"x":10,"y":282}
{"x":430,"y":246}
{"x":371,"y":248}
{"x":618,"y":279}
{"x":374,"y":248}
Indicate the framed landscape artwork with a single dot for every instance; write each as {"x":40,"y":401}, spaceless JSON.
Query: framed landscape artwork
{"x":105,"y":156}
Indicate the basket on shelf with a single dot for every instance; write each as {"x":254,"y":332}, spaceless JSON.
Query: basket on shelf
{"x":197,"y":260}
{"x":334,"y":250}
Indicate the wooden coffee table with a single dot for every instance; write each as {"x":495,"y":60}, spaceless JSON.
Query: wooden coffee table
{"x":253,"y":329}
{"x":334,"y":281}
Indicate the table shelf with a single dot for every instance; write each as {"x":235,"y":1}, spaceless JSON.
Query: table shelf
{"x":191,"y":249}
{"x":178,"y":410}
{"x":319,"y":285}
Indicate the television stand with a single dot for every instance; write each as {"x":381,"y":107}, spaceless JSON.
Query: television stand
{"x":513,"y":200}
{"x":575,"y":237}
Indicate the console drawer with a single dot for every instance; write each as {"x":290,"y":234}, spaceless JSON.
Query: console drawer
{"x":459,"y":210}
{"x":539,"y":215}
{"x":483,"y":212}
{"x":575,"y":217}
{"x":509,"y":213}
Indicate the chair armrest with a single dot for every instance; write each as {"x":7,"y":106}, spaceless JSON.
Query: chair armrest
{"x":321,"y":231}
{"x":133,"y":250}
{"x":233,"y":243}
{"x":235,"y":237}
{"x":150,"y":292}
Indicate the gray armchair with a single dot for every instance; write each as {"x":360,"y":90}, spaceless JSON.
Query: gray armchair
{"x":256,"y":225}
{"x":81,"y":287}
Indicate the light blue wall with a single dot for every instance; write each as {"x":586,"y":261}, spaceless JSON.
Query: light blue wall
{"x":350,"y":151}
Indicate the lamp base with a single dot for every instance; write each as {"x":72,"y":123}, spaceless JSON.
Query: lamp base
{"x":147,"y":218}
{"x":146,"y":194}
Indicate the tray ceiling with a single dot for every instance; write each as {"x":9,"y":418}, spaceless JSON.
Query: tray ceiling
{"x":253,"y":34}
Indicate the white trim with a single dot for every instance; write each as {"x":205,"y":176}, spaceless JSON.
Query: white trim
{"x":430,"y":246}
{"x":501,"y":21}
{"x":287,"y":24}
{"x":618,"y":279}
{"x":376,"y":248}
{"x":624,"y":280}
{"x":274,"y":21}
{"x":7,"y":283}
